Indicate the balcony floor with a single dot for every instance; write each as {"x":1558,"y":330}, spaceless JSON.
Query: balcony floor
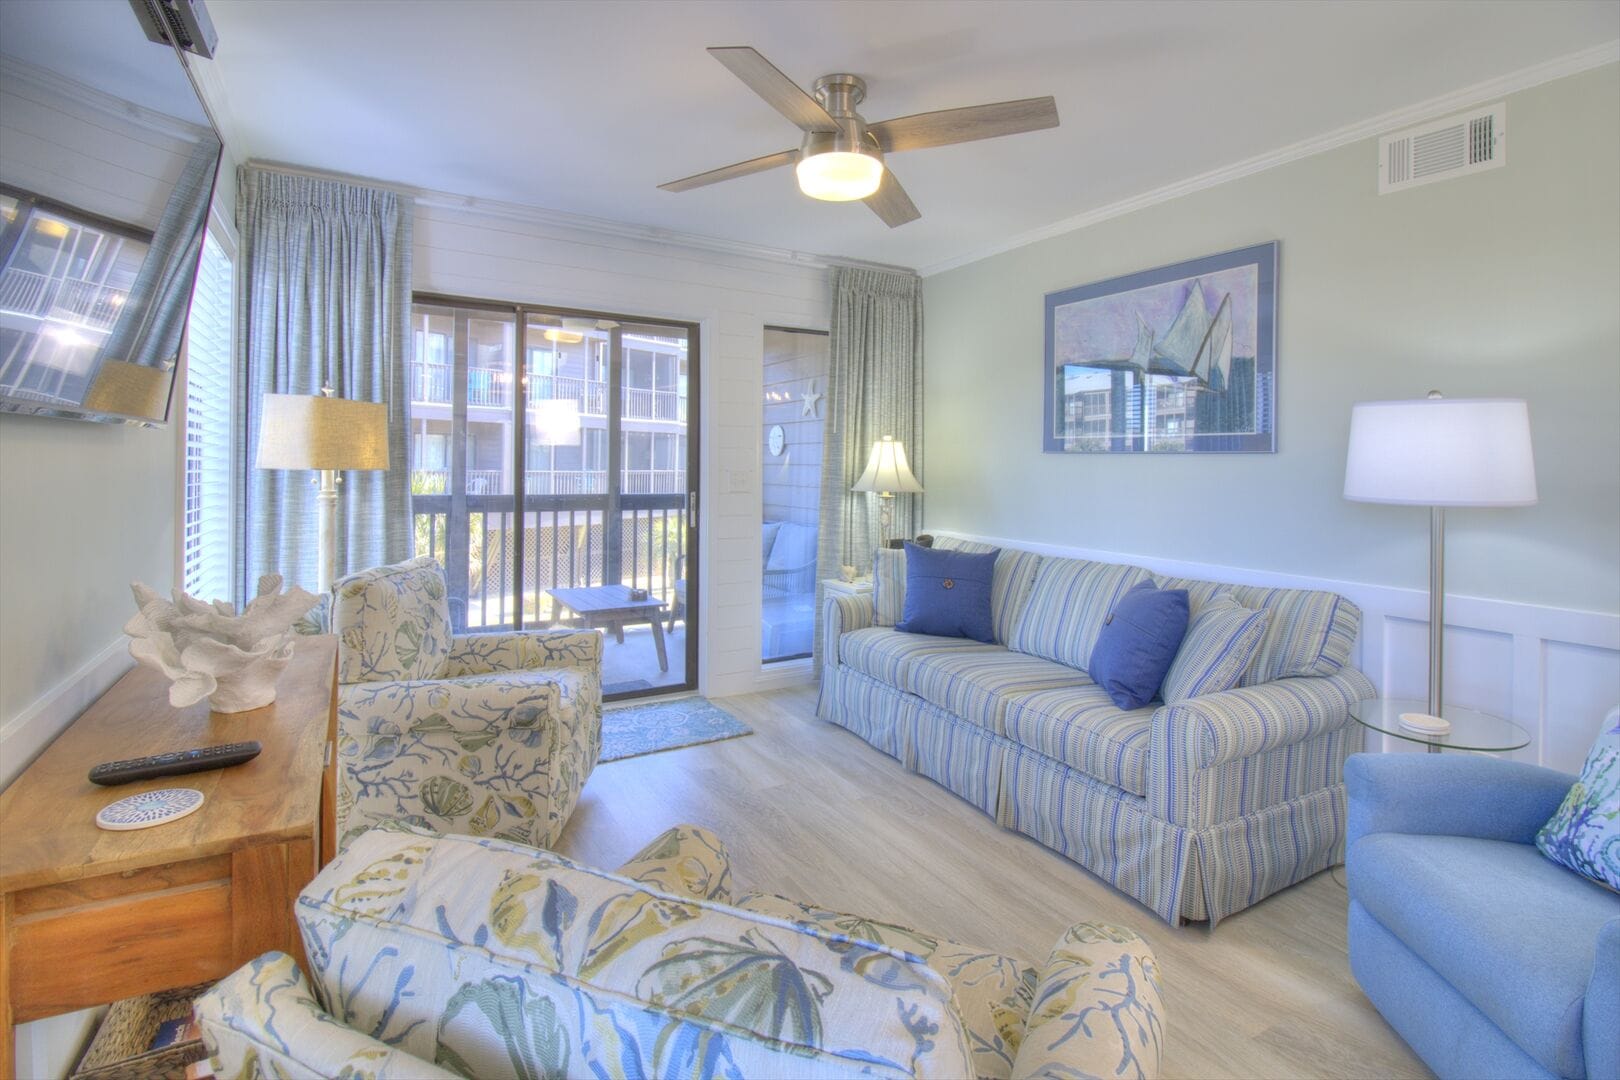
{"x":634,"y":664}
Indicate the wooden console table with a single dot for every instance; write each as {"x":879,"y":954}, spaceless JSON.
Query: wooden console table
{"x":91,"y":916}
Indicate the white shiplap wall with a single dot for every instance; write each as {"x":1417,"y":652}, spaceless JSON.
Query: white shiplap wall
{"x":500,"y":254}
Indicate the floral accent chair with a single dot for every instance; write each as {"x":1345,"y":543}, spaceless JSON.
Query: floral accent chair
{"x":434,"y":956}
{"x":490,"y":734}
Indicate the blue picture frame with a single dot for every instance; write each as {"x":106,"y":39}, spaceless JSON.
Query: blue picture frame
{"x":1178,"y":359}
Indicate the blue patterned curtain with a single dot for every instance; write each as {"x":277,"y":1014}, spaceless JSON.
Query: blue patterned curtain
{"x":874,"y":388}
{"x":324,"y":273}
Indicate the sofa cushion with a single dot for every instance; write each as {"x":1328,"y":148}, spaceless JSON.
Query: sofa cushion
{"x":977,"y":686}
{"x":948,"y":593}
{"x":392,"y":622}
{"x":1311,"y":632}
{"x":993,"y":992}
{"x":1219,"y":647}
{"x":1083,"y":728}
{"x":888,"y":586}
{"x":1015,"y":572}
{"x":1068,"y":602}
{"x":500,"y":960}
{"x":887,"y":655}
{"x":1513,"y":933}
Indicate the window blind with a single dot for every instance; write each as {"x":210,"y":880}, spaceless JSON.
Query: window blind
{"x":206,"y":529}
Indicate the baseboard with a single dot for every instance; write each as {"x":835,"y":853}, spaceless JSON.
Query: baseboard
{"x":785,"y":673}
{"x":26,"y":735}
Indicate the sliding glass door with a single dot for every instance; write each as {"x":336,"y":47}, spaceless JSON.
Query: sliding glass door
{"x":553,"y":471}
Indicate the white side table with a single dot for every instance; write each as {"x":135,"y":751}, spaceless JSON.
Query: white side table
{"x":835,"y":587}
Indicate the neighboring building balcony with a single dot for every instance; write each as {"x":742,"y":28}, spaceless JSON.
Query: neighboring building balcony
{"x":548,"y":482}
{"x":69,"y":300}
{"x":432,"y":384}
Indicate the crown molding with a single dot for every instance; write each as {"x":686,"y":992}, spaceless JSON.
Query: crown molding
{"x":1432,"y":109}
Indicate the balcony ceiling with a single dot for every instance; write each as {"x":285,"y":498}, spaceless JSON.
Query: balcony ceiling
{"x":586,"y":107}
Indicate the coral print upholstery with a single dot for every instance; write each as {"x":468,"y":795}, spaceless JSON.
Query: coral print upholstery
{"x":451,"y":955}
{"x":489,"y":734}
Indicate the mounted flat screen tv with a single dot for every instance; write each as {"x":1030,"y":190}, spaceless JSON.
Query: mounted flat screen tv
{"x":107,"y":167}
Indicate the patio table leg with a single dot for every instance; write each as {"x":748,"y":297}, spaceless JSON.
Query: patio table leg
{"x":658,"y":640}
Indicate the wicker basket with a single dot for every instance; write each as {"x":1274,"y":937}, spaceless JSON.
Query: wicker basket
{"x":120,"y":1046}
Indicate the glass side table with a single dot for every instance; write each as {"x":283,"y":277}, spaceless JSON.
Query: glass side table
{"x":1470,"y":730}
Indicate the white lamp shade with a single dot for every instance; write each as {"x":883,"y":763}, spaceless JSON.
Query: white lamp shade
{"x":887,"y":470}
{"x":555,"y":422}
{"x":1441,"y":452}
{"x":300,"y":431}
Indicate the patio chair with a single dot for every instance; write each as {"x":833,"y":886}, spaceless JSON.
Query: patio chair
{"x":491,"y":734}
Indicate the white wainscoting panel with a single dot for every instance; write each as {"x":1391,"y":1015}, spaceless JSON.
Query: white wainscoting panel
{"x":1554,"y":671}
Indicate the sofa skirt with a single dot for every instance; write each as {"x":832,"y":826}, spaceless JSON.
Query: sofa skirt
{"x":1180,"y":873}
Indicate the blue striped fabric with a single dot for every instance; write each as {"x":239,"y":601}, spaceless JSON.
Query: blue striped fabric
{"x":964,"y":757}
{"x":1068,"y":602}
{"x":977,"y":686}
{"x":1009,"y":590}
{"x":873,"y":710}
{"x":1219,"y":646}
{"x":1199,"y":592}
{"x":888,"y":655}
{"x":1083,"y":728}
{"x":888,"y":586}
{"x":1312,"y":632}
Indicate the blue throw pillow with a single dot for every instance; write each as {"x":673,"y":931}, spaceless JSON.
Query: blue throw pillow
{"x":948,"y":593}
{"x":1138,"y":642}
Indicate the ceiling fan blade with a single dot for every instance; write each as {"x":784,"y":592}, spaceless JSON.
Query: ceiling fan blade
{"x":780,"y":92}
{"x":891,"y":203}
{"x":731,"y":172}
{"x":922,"y":130}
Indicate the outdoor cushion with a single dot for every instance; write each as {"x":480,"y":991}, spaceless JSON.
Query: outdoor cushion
{"x":1015,"y":573}
{"x":1068,"y":602}
{"x":1521,"y":950}
{"x":1083,"y":728}
{"x":794,"y":547}
{"x":978,"y":686}
{"x":888,"y":656}
{"x":948,"y":593}
{"x":767,"y":538}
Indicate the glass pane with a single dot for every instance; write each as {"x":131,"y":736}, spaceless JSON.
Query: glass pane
{"x":795,"y":364}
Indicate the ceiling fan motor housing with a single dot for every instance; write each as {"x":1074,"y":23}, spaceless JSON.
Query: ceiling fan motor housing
{"x":839,"y":94}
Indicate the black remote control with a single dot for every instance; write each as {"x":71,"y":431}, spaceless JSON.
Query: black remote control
{"x":174,"y":763}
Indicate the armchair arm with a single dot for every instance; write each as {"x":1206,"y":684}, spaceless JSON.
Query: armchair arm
{"x":1097,"y":1010}
{"x":1601,"y":1025}
{"x":686,"y":859}
{"x":839,"y":615}
{"x":262,"y":1020}
{"x":522,"y":650}
{"x":1202,"y":732}
{"x":1451,"y":795}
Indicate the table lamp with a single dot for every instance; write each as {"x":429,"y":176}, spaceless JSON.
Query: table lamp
{"x":1439,"y":452}
{"x":299,"y":431}
{"x":888,"y":474}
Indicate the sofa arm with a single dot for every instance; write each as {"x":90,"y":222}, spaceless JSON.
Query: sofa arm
{"x":1097,"y":1010}
{"x":1202,"y":732}
{"x":1451,"y":795}
{"x":262,"y":1020}
{"x":1601,"y":1025}
{"x":685,"y":860}
{"x":841,"y":614}
{"x":523,"y":650}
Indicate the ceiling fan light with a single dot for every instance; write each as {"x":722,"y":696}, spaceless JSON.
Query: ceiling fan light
{"x":563,"y":337}
{"x":839,"y":175}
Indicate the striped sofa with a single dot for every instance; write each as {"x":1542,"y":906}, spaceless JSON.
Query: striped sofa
{"x":1198,"y":808}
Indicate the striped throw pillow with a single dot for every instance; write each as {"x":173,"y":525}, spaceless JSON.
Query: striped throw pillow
{"x":888,"y":587}
{"x":1220,"y":643}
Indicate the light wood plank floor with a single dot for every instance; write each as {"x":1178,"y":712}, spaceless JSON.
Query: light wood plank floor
{"x":810,"y":811}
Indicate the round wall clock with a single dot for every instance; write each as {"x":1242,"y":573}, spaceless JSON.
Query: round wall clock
{"x":778,"y":440}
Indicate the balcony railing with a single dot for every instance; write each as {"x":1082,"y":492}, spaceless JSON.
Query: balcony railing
{"x":491,"y":388}
{"x":71,"y":299}
{"x":552,"y":482}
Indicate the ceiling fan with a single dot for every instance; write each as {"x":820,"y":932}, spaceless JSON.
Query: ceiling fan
{"x":841,"y":157}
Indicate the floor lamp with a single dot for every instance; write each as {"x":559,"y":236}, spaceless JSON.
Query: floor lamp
{"x":332,"y":434}
{"x":888,"y":474}
{"x":1439,"y":452}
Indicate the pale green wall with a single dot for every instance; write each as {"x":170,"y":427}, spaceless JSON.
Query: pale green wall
{"x":1505,"y":283}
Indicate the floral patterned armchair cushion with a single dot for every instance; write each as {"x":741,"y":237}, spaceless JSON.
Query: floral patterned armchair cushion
{"x":490,"y":734}
{"x":492,"y":960}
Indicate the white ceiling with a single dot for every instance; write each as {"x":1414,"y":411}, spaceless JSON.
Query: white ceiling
{"x":586,"y":107}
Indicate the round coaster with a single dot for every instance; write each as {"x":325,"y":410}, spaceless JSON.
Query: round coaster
{"x":150,"y":808}
{"x":1424,"y":724}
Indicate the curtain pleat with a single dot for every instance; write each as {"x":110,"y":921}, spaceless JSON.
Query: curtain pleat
{"x":874,"y":388}
{"x":324,"y":294}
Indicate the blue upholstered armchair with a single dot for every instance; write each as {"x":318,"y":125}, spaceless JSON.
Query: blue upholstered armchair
{"x":1488,"y":958}
{"x":489,"y":734}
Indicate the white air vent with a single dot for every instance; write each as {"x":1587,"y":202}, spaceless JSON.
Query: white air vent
{"x":1442,"y":149}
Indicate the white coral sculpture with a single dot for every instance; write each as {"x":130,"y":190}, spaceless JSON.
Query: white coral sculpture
{"x":209,"y":651}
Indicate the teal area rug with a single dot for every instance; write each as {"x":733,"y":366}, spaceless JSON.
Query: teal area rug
{"x":666,"y":725}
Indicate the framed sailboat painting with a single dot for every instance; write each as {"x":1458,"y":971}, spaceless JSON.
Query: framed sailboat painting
{"x":1182,"y":359}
